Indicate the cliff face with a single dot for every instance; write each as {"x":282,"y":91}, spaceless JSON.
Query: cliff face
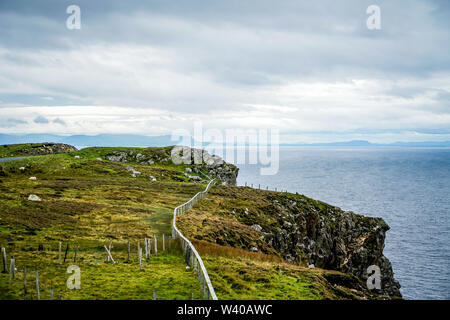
{"x":299,"y":229}
{"x":331,"y":238}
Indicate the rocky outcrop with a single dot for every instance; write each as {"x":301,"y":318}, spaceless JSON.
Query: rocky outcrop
{"x":44,"y":149}
{"x":202,"y":160}
{"x":330,"y":238}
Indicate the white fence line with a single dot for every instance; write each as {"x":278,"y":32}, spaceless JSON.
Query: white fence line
{"x":193,"y":259}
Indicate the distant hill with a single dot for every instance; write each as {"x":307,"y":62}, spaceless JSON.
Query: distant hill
{"x":131,"y":140}
{"x":102,"y":140}
{"x":364,"y":143}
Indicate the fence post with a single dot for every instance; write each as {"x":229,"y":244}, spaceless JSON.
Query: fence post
{"x":128,"y":250}
{"x":59,"y":252}
{"x":146,"y":248}
{"x":5,"y":265}
{"x":109,"y":247}
{"x":140,"y":259}
{"x":24,"y":280}
{"x":164,"y":243}
{"x":109,"y":255}
{"x":51,"y":293}
{"x":65,"y":254}
{"x":37,"y":285}
{"x":156,"y":246}
{"x":12,"y":270}
{"x":154,"y":295}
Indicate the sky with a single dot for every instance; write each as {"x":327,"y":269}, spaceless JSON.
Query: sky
{"x":310,"y":69}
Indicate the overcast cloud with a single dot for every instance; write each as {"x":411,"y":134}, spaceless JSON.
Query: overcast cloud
{"x":311,"y":69}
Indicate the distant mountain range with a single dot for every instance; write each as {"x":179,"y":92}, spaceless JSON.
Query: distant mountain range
{"x":130,"y":140}
{"x":101,"y":140}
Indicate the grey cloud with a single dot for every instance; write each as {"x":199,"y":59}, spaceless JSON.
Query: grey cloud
{"x":41,"y":119}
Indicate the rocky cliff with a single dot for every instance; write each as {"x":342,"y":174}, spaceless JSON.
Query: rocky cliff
{"x":299,"y":229}
{"x":330,"y":238}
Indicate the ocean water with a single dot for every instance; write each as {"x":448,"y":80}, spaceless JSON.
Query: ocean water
{"x":408,"y":187}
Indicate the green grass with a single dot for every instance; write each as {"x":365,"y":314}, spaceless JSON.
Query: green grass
{"x":164,"y":273}
{"x":86,"y":202}
{"x":248,"y":279}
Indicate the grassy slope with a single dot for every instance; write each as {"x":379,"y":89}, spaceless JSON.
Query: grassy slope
{"x":220,"y":227}
{"x":85,"y":202}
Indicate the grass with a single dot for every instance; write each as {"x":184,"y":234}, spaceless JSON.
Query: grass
{"x":236,"y":278}
{"x":86,"y":202}
{"x":164,"y":273}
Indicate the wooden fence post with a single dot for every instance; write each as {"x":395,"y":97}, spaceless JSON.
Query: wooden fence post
{"x":59,"y":252}
{"x":129,"y":250}
{"x":12,"y":270}
{"x":164,"y":243}
{"x":65,"y":254}
{"x":37,"y":285}
{"x":5,"y":262}
{"x":24,"y":280}
{"x":156,"y":246}
{"x":51,"y":293}
{"x":154,"y":295}
{"x":109,"y":246}
{"x":146,"y":248}
{"x":109,"y":255}
{"x":140,"y":259}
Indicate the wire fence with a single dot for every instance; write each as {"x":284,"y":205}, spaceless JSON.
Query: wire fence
{"x":192,"y":257}
{"x":262,"y":187}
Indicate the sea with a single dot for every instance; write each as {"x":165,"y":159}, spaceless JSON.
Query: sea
{"x":408,"y":187}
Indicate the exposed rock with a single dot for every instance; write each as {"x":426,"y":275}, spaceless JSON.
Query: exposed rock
{"x":33,"y":197}
{"x":257,"y":227}
{"x":188,"y":170}
{"x":254,"y":249}
{"x":153,"y":178}
{"x":311,"y":266}
{"x":134,"y":173}
{"x":77,"y":157}
{"x":195,"y":179}
{"x":216,"y":167}
{"x":22,"y":168}
{"x":32,"y":178}
{"x":45,"y":148}
{"x":99,"y":159}
{"x":117,"y":156}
